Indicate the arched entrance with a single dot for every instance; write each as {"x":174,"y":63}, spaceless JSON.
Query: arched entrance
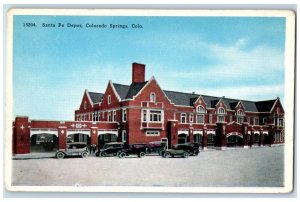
{"x":256,"y":139}
{"x":105,"y":138}
{"x":198,"y":138}
{"x":210,"y":140}
{"x":182,"y":138}
{"x":43,"y":142}
{"x":234,"y":140}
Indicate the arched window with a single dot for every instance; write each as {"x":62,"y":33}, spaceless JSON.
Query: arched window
{"x":152,"y":97}
{"x":221,"y":110}
{"x":239,"y":116}
{"x":200,"y":109}
{"x":240,"y":112}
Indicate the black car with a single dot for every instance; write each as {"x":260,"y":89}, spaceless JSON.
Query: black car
{"x":110,"y":148}
{"x":183,"y":150}
{"x":156,"y":147}
{"x":133,"y":149}
{"x":73,"y":149}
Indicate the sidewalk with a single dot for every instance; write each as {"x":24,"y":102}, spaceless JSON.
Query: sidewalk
{"x":34,"y":155}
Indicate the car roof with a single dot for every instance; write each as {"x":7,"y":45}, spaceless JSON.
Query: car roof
{"x":114,"y":143}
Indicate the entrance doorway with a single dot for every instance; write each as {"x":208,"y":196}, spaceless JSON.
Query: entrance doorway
{"x":210,"y":140}
{"x":43,"y":143}
{"x":198,"y":138}
{"x":234,"y":141}
{"x":182,"y":138}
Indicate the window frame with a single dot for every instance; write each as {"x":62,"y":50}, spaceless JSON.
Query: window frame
{"x":183,"y":115}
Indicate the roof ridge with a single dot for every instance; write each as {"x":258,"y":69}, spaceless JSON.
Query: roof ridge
{"x":95,"y":92}
{"x":120,"y":84}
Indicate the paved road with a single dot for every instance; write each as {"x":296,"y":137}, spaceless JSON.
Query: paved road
{"x":240,"y":167}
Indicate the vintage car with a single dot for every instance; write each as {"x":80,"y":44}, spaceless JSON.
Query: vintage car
{"x":181,"y":150}
{"x":111,"y":148}
{"x":133,"y":149}
{"x":156,"y":147}
{"x":73,"y":149}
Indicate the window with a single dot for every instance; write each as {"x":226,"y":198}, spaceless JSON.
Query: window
{"x":199,"y":118}
{"x":230,"y":118}
{"x":210,"y":118}
{"x":109,"y":116}
{"x":248,"y":120}
{"x":124,"y":115}
{"x":152,"y":97}
{"x":144,"y":115}
{"x":191,"y":118}
{"x":240,"y":113}
{"x":152,"y":133}
{"x":240,"y":119}
{"x":221,"y":119}
{"x":114,"y":116}
{"x":94,"y":117}
{"x":255,"y":121}
{"x":264,"y":120}
{"x":99,"y":116}
{"x":278,"y":122}
{"x":103,"y":115}
{"x":108,"y":99}
{"x":85,"y":105}
{"x":183,"y":118}
{"x":124,"y":136}
{"x":155,"y":116}
{"x":221,"y":110}
{"x":200,"y":109}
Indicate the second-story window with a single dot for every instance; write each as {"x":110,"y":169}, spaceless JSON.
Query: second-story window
{"x":155,"y":116}
{"x":199,"y":118}
{"x":221,"y":115}
{"x":124,"y":115}
{"x":255,"y":121}
{"x":191,"y":117}
{"x":152,"y":97}
{"x":114,"y":116}
{"x":109,"y":116}
{"x":144,"y":115}
{"x":108,"y":99}
{"x":239,"y":116}
{"x":183,"y":118}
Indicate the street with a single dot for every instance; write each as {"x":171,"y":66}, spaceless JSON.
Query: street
{"x":258,"y":167}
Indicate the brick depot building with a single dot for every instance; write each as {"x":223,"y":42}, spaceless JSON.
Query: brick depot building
{"x":143,"y":112}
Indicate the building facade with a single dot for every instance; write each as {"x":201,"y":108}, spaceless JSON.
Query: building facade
{"x":143,"y":112}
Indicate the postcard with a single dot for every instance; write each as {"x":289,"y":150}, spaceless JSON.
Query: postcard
{"x":141,"y":100}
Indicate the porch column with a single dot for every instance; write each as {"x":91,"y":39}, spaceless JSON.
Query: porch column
{"x":172,"y":132}
{"x":21,"y":136}
{"x":204,"y":139}
{"x":252,"y":138}
{"x":271,"y":135}
{"x":221,"y":140}
{"x":261,"y":138}
{"x":191,"y":136}
{"x":62,"y":137}
{"x":94,"y":136}
{"x":245,"y":135}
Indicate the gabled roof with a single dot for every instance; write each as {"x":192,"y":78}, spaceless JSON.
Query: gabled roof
{"x":95,"y":97}
{"x":187,"y":99}
{"x":265,"y":106}
{"x":127,"y":92}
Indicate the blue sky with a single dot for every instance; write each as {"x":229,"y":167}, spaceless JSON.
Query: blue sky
{"x":235,"y":57}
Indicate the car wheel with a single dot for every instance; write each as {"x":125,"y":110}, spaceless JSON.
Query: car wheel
{"x":186,"y":154}
{"x":122,"y":155}
{"x":60,"y":155}
{"x":97,"y":153}
{"x":102,"y":154}
{"x":166,"y":155}
{"x":84,"y":154}
{"x":142,"y":154}
{"x":196,"y":153}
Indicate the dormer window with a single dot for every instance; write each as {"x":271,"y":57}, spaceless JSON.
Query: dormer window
{"x":108,"y":99}
{"x":84,"y":105}
{"x":221,"y":113}
{"x":239,"y":116}
{"x":152,"y":97}
{"x":200,"y":109}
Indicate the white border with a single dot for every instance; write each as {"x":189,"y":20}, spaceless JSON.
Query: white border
{"x":289,"y":96}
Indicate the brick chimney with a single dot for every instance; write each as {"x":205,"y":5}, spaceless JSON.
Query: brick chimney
{"x":138,"y":73}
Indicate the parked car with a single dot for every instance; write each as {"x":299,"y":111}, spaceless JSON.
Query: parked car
{"x":133,"y":149}
{"x":182,"y":150}
{"x":73,"y":149}
{"x":111,"y":148}
{"x":156,"y":147}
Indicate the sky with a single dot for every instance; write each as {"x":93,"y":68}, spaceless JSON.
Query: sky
{"x":235,"y":57}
